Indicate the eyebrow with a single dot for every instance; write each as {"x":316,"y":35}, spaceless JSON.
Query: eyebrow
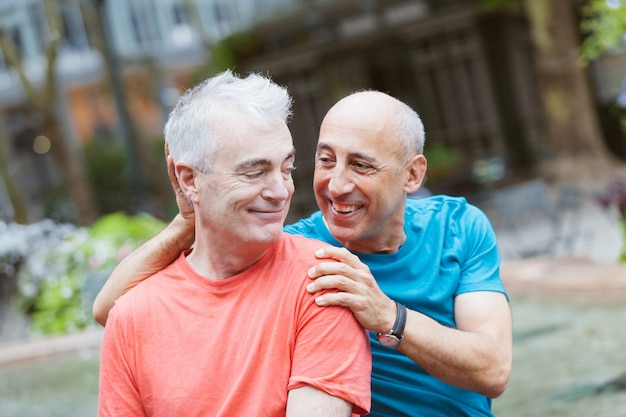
{"x":261,"y":162}
{"x":323,"y":146}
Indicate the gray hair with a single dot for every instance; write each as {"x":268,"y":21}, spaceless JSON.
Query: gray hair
{"x":409,"y":130}
{"x":193,"y":125}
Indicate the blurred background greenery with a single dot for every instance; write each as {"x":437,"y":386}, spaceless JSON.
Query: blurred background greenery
{"x":509,"y":91}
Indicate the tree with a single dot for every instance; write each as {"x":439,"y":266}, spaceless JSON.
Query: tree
{"x":603,"y":23}
{"x":95,"y":14}
{"x":20,"y":214}
{"x":43,"y":99}
{"x":569,"y":113}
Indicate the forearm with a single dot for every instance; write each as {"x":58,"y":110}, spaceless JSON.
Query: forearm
{"x":477,"y":361}
{"x":153,"y":256}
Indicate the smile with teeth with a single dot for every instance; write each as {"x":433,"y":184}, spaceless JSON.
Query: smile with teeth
{"x":345,"y":208}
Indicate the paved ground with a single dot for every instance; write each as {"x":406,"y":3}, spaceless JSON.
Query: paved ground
{"x":28,"y":349}
{"x":568,"y":359}
{"x":568,"y":332}
{"x":566,"y":278}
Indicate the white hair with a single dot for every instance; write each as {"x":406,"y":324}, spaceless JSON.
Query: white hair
{"x":192,"y":127}
{"x":409,"y":130}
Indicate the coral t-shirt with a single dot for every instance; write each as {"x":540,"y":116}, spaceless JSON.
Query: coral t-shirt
{"x":179,"y":344}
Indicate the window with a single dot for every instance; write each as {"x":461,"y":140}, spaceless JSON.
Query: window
{"x":73,"y":27}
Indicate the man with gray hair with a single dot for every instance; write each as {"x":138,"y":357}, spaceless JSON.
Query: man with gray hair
{"x":228,"y":329}
{"x":421,"y":275}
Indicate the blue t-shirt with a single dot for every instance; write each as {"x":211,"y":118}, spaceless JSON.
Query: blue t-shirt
{"x":450,"y":249}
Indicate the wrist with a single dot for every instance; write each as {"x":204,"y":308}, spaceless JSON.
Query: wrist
{"x":394,"y":337}
{"x":182,"y":231}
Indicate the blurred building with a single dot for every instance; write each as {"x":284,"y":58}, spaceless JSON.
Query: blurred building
{"x":468,"y":73}
{"x":155,"y":44}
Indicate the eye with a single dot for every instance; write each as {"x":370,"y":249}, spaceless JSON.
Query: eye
{"x":324,"y":160}
{"x":287,"y":171}
{"x":253,"y":174}
{"x":362,"y":167}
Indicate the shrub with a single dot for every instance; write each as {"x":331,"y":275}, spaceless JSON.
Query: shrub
{"x":107,"y":165}
{"x":60,"y":267}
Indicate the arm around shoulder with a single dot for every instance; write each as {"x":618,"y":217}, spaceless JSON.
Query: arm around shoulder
{"x":151,"y":257}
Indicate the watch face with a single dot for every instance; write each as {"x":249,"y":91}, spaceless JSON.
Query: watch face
{"x":388,"y":340}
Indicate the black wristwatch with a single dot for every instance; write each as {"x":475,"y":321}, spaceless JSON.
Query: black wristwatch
{"x":395,"y":335}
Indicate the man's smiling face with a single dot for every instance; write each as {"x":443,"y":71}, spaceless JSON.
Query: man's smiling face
{"x":359,"y":174}
{"x":245,"y":197}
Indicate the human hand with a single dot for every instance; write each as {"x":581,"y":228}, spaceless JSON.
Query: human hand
{"x":185,"y":208}
{"x":356,"y":289}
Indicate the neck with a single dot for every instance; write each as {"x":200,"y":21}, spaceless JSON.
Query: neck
{"x":221,"y":260}
{"x":388,"y":240}
{"x":391,"y":244}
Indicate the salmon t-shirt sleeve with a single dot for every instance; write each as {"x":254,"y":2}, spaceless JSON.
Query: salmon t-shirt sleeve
{"x":119,"y":395}
{"x":332,"y":354}
{"x":332,"y":351}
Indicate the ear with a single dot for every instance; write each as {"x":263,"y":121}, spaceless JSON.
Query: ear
{"x":417,"y":171}
{"x":187,"y":179}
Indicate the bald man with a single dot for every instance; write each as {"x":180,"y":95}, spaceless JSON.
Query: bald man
{"x":422,"y":275}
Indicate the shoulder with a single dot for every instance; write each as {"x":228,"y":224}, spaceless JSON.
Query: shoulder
{"x":294,"y":254}
{"x":133,"y":302}
{"x":295,"y":243}
{"x":141,"y":297}
{"x":449,"y":218}
{"x":444,"y":207}
{"x":439,"y":203}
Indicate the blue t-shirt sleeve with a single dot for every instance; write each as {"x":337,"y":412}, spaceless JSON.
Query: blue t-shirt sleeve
{"x":481,"y":267}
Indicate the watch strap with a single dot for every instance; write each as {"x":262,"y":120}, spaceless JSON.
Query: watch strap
{"x":400,"y":323}
{"x":396,"y":334}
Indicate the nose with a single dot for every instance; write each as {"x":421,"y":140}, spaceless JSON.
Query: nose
{"x":278,"y":187}
{"x":339,"y":182}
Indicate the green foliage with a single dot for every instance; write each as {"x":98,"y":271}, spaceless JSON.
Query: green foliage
{"x":441,"y":160}
{"x":108,"y":173}
{"x":229,"y":50}
{"x":56,"y":203}
{"x":60,"y":276}
{"x":118,"y":228}
{"x":603,"y":24}
{"x":226,"y":54}
{"x":496,"y":5}
{"x":58,"y":307}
